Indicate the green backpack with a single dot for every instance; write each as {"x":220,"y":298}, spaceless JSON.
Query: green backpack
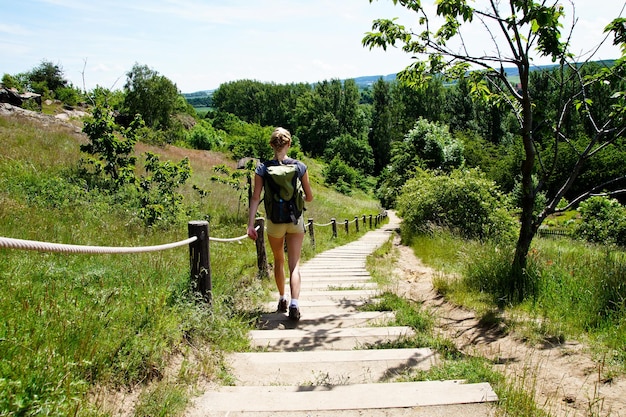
{"x":284,"y":195}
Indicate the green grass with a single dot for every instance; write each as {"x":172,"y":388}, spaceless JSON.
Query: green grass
{"x":76,"y":327}
{"x":578,"y":289}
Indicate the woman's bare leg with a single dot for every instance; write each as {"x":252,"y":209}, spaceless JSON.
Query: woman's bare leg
{"x":294,"y":249}
{"x":278,"y":245}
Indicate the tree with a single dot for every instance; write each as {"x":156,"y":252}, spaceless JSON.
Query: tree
{"x":380,"y":131}
{"x":47,"y":77}
{"x":356,"y":152}
{"x":429,"y":146}
{"x":151,"y":95}
{"x":519,"y":30}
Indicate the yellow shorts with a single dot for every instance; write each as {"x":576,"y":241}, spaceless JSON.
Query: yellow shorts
{"x":279,"y":230}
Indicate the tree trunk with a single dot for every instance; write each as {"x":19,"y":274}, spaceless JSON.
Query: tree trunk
{"x":519,"y":279}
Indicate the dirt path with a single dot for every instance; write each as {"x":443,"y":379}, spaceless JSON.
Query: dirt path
{"x":564,"y":377}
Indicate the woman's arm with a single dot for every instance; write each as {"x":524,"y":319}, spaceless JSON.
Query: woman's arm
{"x":306,"y":186}
{"x":254,"y":206}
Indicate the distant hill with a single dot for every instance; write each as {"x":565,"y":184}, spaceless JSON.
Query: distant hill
{"x":369,"y":80}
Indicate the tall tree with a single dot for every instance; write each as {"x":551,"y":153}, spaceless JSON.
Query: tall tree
{"x":151,"y":95}
{"x":380,"y":130}
{"x":519,"y":30}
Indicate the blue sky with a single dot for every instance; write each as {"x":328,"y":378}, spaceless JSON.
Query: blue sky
{"x":199,"y":44}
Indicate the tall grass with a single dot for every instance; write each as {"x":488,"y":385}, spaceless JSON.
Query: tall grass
{"x":579,"y":289}
{"x":71,"y":323}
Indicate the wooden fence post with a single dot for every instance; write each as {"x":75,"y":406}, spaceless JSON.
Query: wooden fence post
{"x":200,"y":259}
{"x":347,"y":229}
{"x":364,"y":224}
{"x":261,"y":255}
{"x":334,"y":223}
{"x":311,"y":233}
{"x":356,"y":223}
{"x":370,"y":221}
{"x":376,"y":220}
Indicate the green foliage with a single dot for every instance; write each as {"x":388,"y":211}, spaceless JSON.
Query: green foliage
{"x":204,"y":136}
{"x":266,"y":104}
{"x":498,"y":162}
{"x":381,"y":125}
{"x":151,"y":95}
{"x":160,"y":202}
{"x":488,"y":271}
{"x":47,"y":77}
{"x":18,"y":81}
{"x":250,"y":141}
{"x":603,"y":221}
{"x":357,"y":153}
{"x":108,"y":154}
{"x":332,"y":109}
{"x":104,"y":97}
{"x":48,"y":80}
{"x":340,"y":175}
{"x":463,"y":201}
{"x":68,"y":95}
{"x":429,"y":146}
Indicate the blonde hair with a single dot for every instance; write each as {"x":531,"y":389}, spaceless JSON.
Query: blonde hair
{"x":280,"y":138}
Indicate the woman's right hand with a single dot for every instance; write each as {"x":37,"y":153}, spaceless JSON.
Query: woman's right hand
{"x":252,"y":233}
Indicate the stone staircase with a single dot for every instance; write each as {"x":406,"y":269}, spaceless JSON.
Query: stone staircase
{"x":321,"y":366}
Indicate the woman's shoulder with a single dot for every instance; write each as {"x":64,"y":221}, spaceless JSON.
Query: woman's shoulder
{"x":301,"y":165}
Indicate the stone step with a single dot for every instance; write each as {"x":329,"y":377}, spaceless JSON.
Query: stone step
{"x":320,"y":294}
{"x":454,"y":410}
{"x":348,"y":300}
{"x":326,"y":339}
{"x":333,"y":274}
{"x":328,"y":286}
{"x":340,"y":397}
{"x":328,"y":277}
{"x":338,"y":297}
{"x":271,"y":321}
{"x":327,"y":367}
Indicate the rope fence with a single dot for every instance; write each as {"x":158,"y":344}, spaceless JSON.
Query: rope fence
{"x":6,"y":242}
{"x":198,"y":242}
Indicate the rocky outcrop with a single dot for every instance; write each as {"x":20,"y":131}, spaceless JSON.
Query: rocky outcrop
{"x":15,"y":98}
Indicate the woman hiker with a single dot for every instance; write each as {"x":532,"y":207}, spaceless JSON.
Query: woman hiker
{"x":277,"y":233}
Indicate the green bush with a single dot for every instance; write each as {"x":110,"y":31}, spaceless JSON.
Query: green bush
{"x":203,"y":136}
{"x":428,"y":145}
{"x":68,"y":95}
{"x":603,"y":221}
{"x":340,"y":175}
{"x":357,"y":153}
{"x":463,"y":201}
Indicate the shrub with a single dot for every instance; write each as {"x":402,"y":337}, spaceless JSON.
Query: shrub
{"x":68,"y":95}
{"x":463,"y":201}
{"x":107,"y":153}
{"x":203,"y":136}
{"x":603,"y":221}
{"x":340,"y":175}
{"x":357,"y":153}
{"x":160,"y":202}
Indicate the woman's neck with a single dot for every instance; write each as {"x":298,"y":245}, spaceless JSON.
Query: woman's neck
{"x":280,"y":156}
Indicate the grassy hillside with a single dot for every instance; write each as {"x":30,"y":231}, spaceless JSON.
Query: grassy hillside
{"x":77,"y":327}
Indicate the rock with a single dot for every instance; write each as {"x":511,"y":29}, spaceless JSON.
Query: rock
{"x":15,"y":98}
